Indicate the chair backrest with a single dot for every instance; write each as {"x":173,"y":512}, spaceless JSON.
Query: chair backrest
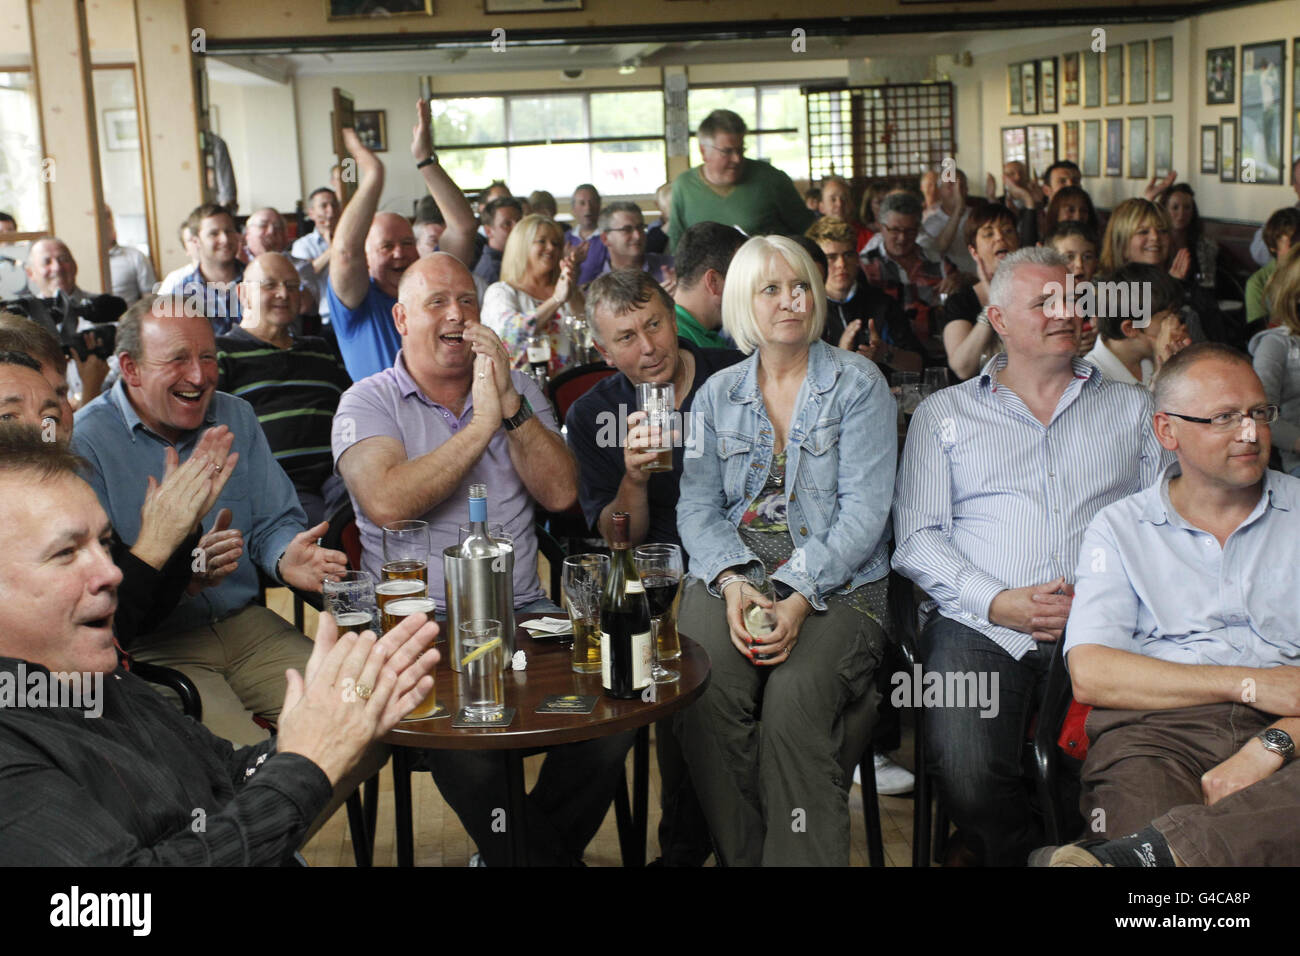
{"x":567,"y":387}
{"x":343,"y":535}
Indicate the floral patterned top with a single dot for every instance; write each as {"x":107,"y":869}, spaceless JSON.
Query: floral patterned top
{"x":507,"y":311}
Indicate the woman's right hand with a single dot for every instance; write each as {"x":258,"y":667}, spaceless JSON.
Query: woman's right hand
{"x":187,"y":492}
{"x":738,"y":595}
{"x":564,"y":284}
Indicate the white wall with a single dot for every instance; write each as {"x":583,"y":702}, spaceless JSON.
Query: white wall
{"x":259,"y":124}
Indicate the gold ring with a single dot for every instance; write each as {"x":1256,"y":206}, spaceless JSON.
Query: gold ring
{"x":364,"y":690}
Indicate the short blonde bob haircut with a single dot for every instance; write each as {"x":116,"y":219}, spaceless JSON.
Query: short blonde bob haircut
{"x":750,"y":270}
{"x":1127,"y":218}
{"x":514,"y":258}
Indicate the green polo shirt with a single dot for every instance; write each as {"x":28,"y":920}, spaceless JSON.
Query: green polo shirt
{"x":763,"y":202}
{"x":691,"y":330}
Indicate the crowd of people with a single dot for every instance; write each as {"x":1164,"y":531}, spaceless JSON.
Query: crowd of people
{"x":1095,"y":472}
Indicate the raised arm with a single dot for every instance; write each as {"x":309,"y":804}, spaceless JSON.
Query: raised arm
{"x":458,"y":238}
{"x":349,"y":274}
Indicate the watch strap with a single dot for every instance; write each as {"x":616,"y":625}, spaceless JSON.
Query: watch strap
{"x":518,"y":418}
{"x":426,"y":162}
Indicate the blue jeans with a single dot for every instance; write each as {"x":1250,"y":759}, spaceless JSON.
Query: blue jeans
{"x":979,"y":759}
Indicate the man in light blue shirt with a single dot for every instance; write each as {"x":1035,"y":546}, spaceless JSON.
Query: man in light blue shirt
{"x":1183,"y":638}
{"x":235,"y":651}
{"x":999,"y":479}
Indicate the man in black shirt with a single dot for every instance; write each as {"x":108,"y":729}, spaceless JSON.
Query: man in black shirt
{"x":634,"y":327}
{"x":97,"y":769}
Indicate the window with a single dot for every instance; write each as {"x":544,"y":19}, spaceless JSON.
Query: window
{"x":23,"y":176}
{"x":775,"y":116}
{"x":869,"y":131}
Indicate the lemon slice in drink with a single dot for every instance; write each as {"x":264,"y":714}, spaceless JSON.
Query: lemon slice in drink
{"x":480,"y":651}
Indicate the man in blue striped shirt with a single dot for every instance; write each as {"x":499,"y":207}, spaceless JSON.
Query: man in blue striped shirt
{"x":999,"y":479}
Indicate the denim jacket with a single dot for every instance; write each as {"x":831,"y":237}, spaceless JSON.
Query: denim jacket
{"x":840,"y":459}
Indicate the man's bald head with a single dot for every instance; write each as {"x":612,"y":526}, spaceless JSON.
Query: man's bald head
{"x":441,"y":269}
{"x":390,"y":248}
{"x":437,"y":300}
{"x":1178,"y":381}
{"x":265,"y":232}
{"x":270,"y":292}
{"x":50,"y":267}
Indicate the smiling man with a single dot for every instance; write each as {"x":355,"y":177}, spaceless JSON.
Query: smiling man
{"x":1182,"y":636}
{"x":25,"y":395}
{"x":1000,"y":476}
{"x":214,"y":279}
{"x":752,"y":195}
{"x":234,"y":650}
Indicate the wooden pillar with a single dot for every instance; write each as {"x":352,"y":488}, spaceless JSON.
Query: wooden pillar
{"x":69,"y":133}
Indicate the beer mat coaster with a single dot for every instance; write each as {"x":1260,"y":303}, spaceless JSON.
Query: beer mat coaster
{"x":463,"y":719}
{"x":566,"y":704}
{"x":548,"y":626}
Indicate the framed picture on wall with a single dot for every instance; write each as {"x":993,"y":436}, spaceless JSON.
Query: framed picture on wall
{"x":1228,"y":150}
{"x":1070,"y":131}
{"x":122,"y":129}
{"x":1162,"y":56}
{"x":1220,"y":75}
{"x":1115,"y":76}
{"x":1013,"y":144}
{"x":1114,"y":147}
{"x":348,"y":9}
{"x":1162,"y":149}
{"x":1047,"y":84}
{"x":1209,"y":149}
{"x":1013,"y":88}
{"x":1092,"y":147}
{"x":1070,"y":79}
{"x":1137,"y":72}
{"x":1137,"y":147}
{"x":372,"y":129}
{"x":1029,"y":88}
{"x":1041,"y":147}
{"x":1091,"y":78}
{"x":1263,"y":85}
{"x":1295,"y":106}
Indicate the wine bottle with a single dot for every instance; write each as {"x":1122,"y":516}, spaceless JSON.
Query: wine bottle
{"x":479,"y":544}
{"x":625,"y":646}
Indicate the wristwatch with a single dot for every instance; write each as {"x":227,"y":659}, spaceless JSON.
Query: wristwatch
{"x":429,"y":161}
{"x":518,"y":418}
{"x":1279,"y":742}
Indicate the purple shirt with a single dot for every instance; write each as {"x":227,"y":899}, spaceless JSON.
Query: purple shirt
{"x":390,"y":403}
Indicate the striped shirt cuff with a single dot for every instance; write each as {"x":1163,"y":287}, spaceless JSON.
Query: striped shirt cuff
{"x":977,"y":592}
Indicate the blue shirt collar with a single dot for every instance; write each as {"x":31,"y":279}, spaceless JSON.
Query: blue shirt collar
{"x":133,"y":421}
{"x":1159,"y":510}
{"x":1082,"y":369}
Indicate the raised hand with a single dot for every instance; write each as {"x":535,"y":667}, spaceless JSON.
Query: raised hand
{"x":1181,"y":265}
{"x":421,"y":136}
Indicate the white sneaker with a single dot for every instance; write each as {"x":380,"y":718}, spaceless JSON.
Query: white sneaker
{"x":891,"y":779}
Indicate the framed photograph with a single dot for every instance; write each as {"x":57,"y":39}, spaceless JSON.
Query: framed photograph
{"x":1029,"y":88}
{"x":1114,"y":147}
{"x":1220,"y":75}
{"x":372,"y":129}
{"x":1137,"y":147}
{"x":1070,"y":131}
{"x":1013,"y":144}
{"x":1013,"y":88}
{"x":1210,"y":149}
{"x":1295,"y":106}
{"x":349,"y":9}
{"x":1070,"y":79}
{"x":1162,"y":69}
{"x":121,"y":130}
{"x":1092,"y":147}
{"x":1047,"y":84}
{"x":1091,"y":79}
{"x":1162,"y":148}
{"x":1041,"y":147}
{"x":1137,"y":72}
{"x":1228,"y":150}
{"x":1115,"y":76}
{"x":1263,"y":118}
{"x":529,"y":6}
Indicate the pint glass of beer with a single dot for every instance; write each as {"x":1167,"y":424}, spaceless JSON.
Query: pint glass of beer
{"x":406,"y":551}
{"x":584,"y":583}
{"x":395,"y":610}
{"x":657,"y":400}
{"x":351,"y":600}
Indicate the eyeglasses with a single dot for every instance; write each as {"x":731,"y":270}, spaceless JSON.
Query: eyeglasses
{"x":736,"y":152}
{"x":628,"y":231}
{"x":267,"y":285}
{"x":900,"y":233}
{"x":1226,"y":421}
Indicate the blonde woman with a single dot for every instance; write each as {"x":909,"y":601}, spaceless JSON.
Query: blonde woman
{"x":1276,"y":359}
{"x":794,"y":478}
{"x":538,"y":289}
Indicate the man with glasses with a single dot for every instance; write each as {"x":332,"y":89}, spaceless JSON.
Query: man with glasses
{"x":266,"y":232}
{"x":294,"y":383}
{"x":895,"y":263}
{"x":1182,"y":637}
{"x":754,"y":196}
{"x":622,"y":230}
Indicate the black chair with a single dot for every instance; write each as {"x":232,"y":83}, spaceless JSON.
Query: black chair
{"x":174,"y":680}
{"x":1061,"y":819}
{"x":902,"y":611}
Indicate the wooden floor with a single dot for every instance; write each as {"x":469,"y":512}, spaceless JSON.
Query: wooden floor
{"x":440,"y":840}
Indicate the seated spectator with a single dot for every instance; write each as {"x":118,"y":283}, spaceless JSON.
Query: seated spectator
{"x":428,"y":227}
{"x":1071,"y":204}
{"x":929,"y":193}
{"x":1000,"y":477}
{"x":622,"y":232}
{"x":294,"y":386}
{"x":894,"y":262}
{"x":860,"y":317}
{"x":131,"y":271}
{"x":1258,"y":247}
{"x":26,"y":397}
{"x":371,"y":251}
{"x":323,"y":211}
{"x":496,"y":190}
{"x":234,"y":650}
{"x":869,"y":209}
{"x":812,"y":198}
{"x":968,"y":338}
{"x":826,"y":550}
{"x":537,"y":291}
{"x":1277,"y":360}
{"x":1193,"y":684}
{"x":656,"y":237}
{"x":755,"y":197}
{"x":265,"y":233}
{"x":1022,"y":195}
{"x":210,"y":285}
{"x":1187,"y":233}
{"x":1078,"y":243}
{"x":703,"y":254}
{"x":20,"y":334}
{"x":122,"y":789}
{"x":1131,"y":346}
{"x":943,"y":231}
{"x":499,"y":218}
{"x":584,"y":233}
{"x":1281,"y":233}
{"x":190,"y":243}
{"x":837,"y":200}
{"x":409,"y":442}
{"x":542,"y":203}
{"x":13,"y":280}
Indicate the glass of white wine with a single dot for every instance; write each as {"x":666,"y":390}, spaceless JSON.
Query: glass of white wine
{"x":760,"y":621}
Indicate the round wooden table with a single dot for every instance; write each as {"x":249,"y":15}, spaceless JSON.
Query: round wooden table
{"x":549,"y":671}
